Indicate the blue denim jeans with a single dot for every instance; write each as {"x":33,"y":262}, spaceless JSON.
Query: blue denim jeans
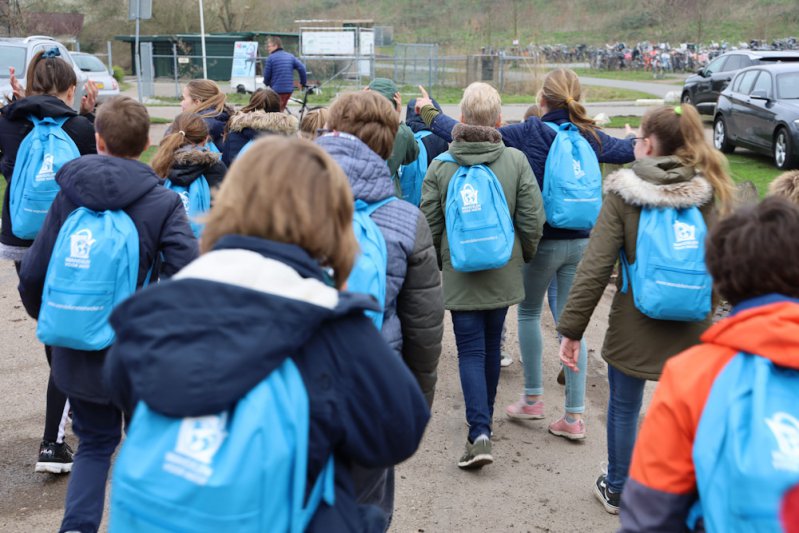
{"x":556,"y":259}
{"x":478,"y":335}
{"x":624,"y":406}
{"x":99,"y":428}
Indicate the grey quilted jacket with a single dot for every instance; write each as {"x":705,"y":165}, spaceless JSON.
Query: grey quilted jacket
{"x":413,"y":322}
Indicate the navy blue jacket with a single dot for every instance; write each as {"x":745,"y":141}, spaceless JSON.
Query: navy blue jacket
{"x":534,"y":138}
{"x":216,"y":124}
{"x":15,"y":126}
{"x":196,"y":344}
{"x":433,"y":144}
{"x":279,"y":71}
{"x":245,"y":127}
{"x":102,"y":182}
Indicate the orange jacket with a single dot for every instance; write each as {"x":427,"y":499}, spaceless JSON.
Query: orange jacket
{"x":662,"y":484}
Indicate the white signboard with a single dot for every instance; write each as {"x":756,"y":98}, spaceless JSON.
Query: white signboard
{"x":245,"y":54}
{"x":367,"y":43}
{"x":327,"y":43}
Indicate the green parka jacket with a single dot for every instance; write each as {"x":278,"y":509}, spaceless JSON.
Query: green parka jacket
{"x":634,"y":343}
{"x":501,"y":287}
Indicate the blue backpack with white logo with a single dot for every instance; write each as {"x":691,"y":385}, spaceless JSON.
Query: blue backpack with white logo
{"x":240,"y":470}
{"x":368,"y":275}
{"x":669,"y":278}
{"x":412,"y":175}
{"x":479,"y":226}
{"x":572,"y":180}
{"x":93,"y":267}
{"x":33,"y":187}
{"x":746,"y":449}
{"x":196,"y":200}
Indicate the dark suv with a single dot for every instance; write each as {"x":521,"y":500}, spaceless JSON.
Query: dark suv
{"x":703,"y":88}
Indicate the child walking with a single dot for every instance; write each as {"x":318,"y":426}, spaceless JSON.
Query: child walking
{"x":205,"y":98}
{"x":112,"y":180}
{"x":674,"y":168}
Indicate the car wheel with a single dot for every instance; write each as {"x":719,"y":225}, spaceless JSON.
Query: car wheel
{"x":720,"y":139}
{"x":783,"y":151}
{"x":686,"y":98}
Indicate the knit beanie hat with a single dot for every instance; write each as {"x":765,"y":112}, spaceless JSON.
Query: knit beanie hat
{"x":384,"y":86}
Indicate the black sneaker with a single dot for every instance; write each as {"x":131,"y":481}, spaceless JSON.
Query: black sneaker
{"x":54,"y":458}
{"x":608,"y":498}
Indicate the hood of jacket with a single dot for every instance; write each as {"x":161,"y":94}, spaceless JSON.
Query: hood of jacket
{"x":414,"y":120}
{"x":766,"y":326}
{"x":261,"y":121}
{"x":43,"y":105}
{"x":191,"y":163}
{"x":223,"y":116}
{"x":263,"y":299}
{"x":475,"y":145}
{"x":368,"y":173}
{"x":660,"y":182}
{"x":104,"y":182}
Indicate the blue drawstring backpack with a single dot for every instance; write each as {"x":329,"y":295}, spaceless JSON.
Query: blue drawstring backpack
{"x":93,"y":267}
{"x":479,"y":226}
{"x":240,"y":470}
{"x":33,"y":187}
{"x":746,"y":449}
{"x":572,"y":180}
{"x":412,"y":175}
{"x":669,"y":278}
{"x":368,"y":275}
{"x":196,"y":200}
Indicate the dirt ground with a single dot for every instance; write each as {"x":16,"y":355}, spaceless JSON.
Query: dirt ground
{"x":538,"y":482}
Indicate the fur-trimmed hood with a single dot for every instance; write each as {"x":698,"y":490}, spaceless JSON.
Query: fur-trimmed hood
{"x":262,"y":121}
{"x":475,"y":145}
{"x":660,"y":182}
{"x":190,"y":155}
{"x":192,"y":162}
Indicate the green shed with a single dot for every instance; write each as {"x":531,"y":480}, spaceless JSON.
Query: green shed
{"x":218,"y":50}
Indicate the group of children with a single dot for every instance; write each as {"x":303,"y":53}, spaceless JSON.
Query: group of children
{"x":258,"y":306}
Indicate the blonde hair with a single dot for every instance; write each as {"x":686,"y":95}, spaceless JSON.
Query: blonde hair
{"x":562,"y":90}
{"x":312,"y":121}
{"x":208,"y":94}
{"x":369,"y":116}
{"x":481,"y":105}
{"x":532,"y":111}
{"x":679,"y":132}
{"x":288,"y":190}
{"x":187,"y":128}
{"x":786,"y":185}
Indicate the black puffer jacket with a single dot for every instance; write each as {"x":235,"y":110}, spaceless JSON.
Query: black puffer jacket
{"x":15,"y":126}
{"x":216,"y":124}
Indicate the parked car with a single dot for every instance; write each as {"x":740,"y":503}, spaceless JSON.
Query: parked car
{"x":17,"y":52}
{"x":759,"y":110}
{"x":703,"y":88}
{"x":97,"y":71}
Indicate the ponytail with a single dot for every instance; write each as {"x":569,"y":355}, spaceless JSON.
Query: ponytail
{"x":49,"y":74}
{"x":187,"y":129}
{"x":679,"y":132}
{"x":208,"y":95}
{"x":561,"y":90}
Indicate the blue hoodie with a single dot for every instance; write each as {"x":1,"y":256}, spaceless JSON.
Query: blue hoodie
{"x":195,"y":345}
{"x":102,"y":182}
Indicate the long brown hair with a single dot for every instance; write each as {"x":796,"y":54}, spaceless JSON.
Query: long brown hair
{"x":264,"y":99}
{"x":679,"y":132}
{"x":187,"y":128}
{"x":562,"y":90}
{"x":48,"y":75}
{"x":288,"y":190}
{"x":208,"y":94}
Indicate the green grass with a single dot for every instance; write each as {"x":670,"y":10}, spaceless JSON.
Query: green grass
{"x":758,"y":169}
{"x":620,"y":121}
{"x":626,"y":75}
{"x":148,"y":154}
{"x":159,"y":120}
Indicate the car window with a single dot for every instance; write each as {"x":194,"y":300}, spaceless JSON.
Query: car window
{"x":89,"y":63}
{"x":763,"y":83}
{"x":747,"y":79}
{"x":735,"y":62}
{"x":12,"y":56}
{"x":788,"y":85}
{"x":716,"y":65}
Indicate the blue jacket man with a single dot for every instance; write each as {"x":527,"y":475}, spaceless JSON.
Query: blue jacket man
{"x":279,"y":70}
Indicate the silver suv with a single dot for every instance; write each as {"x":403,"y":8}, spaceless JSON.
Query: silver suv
{"x":17,"y":52}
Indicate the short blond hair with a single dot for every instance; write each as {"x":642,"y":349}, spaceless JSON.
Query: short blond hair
{"x":369,"y":116}
{"x":786,"y":185}
{"x":288,"y":190}
{"x":481,"y":105}
{"x":313,"y":121}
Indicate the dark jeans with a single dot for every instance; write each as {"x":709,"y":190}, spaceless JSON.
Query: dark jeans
{"x":478,"y":335}
{"x":99,"y":428}
{"x":624,"y":406}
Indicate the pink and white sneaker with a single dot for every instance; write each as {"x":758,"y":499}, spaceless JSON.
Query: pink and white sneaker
{"x":524,"y":411}
{"x":569,"y":430}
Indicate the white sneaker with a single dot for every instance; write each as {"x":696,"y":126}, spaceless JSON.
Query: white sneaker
{"x":505,"y":359}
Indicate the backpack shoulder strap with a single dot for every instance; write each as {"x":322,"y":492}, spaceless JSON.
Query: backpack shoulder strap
{"x":419,"y":135}
{"x":446,"y":157}
{"x":371,"y":208}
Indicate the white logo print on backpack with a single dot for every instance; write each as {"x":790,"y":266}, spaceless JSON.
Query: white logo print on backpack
{"x":685,"y":236}
{"x":80,"y":246}
{"x":46,"y":172}
{"x":786,"y":431}
{"x":469,"y":195}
